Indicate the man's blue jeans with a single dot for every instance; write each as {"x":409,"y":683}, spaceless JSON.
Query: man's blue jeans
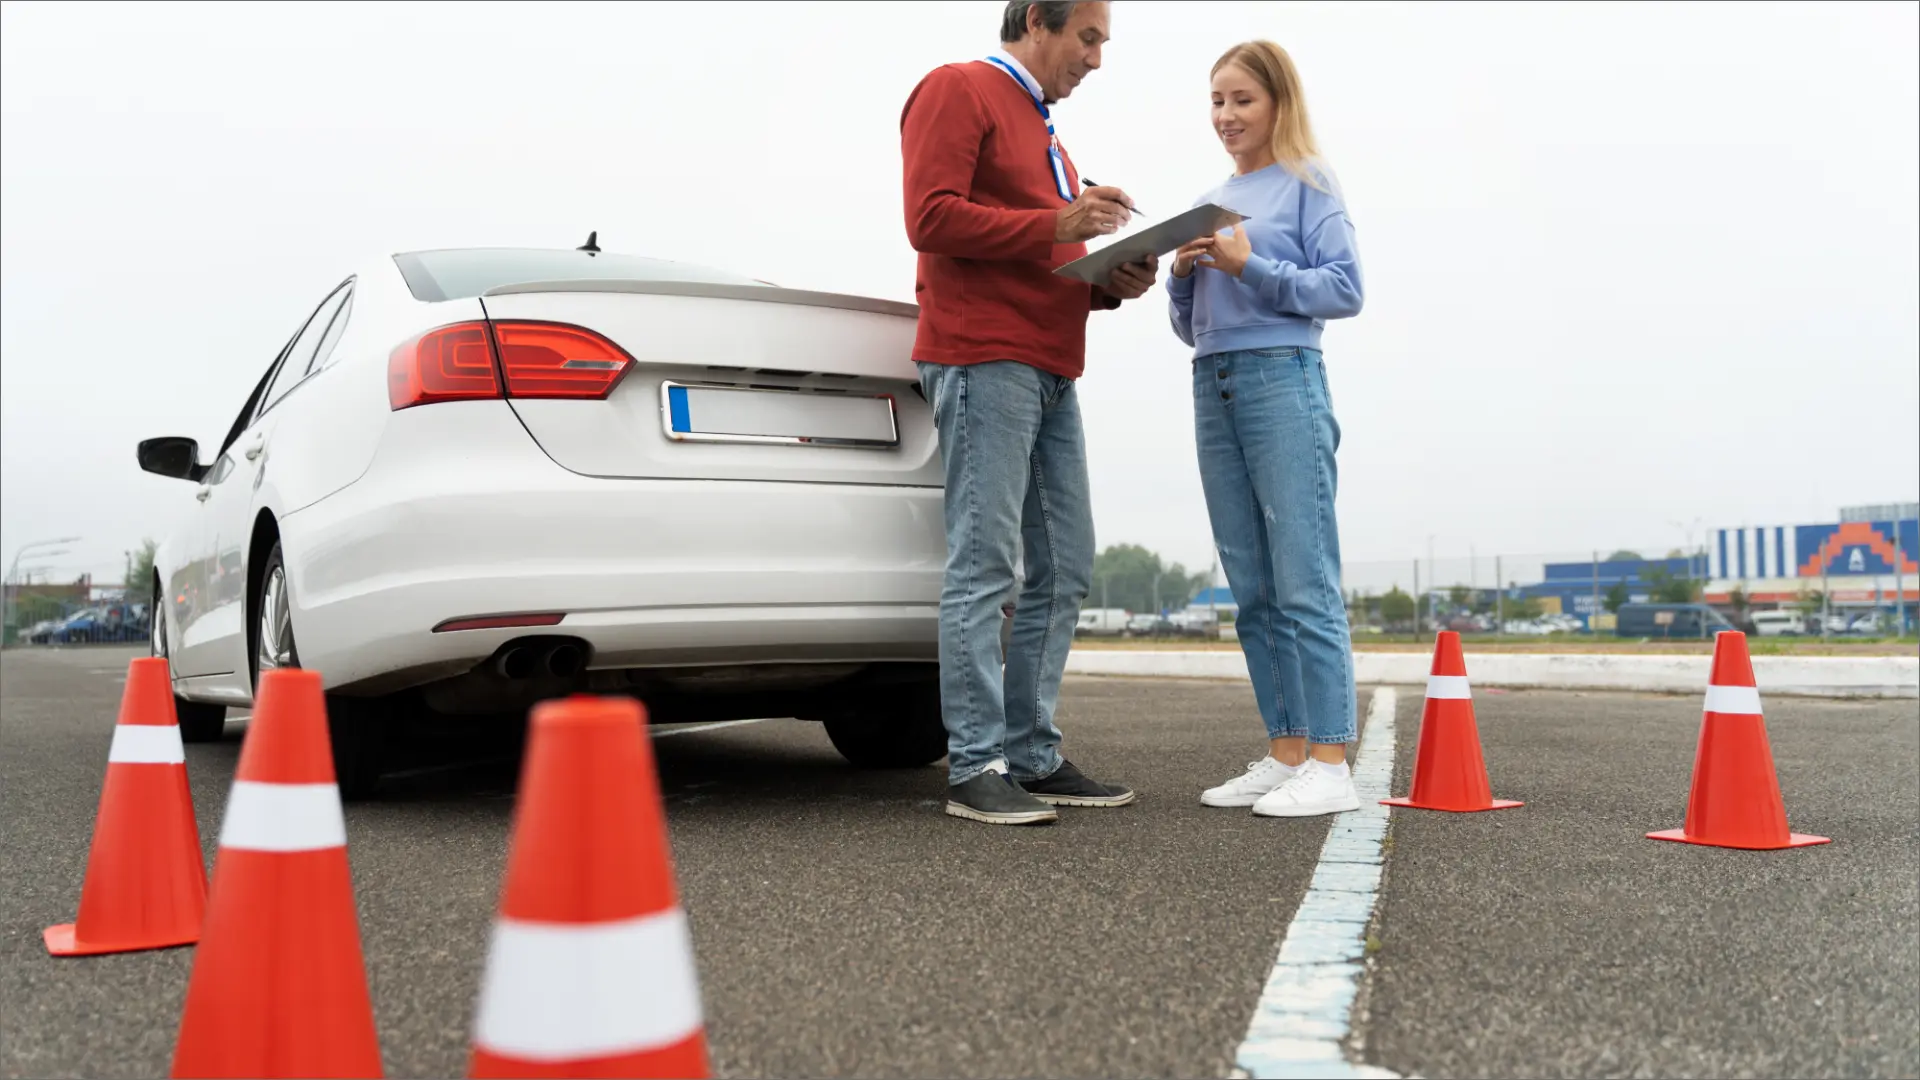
{"x":1016,"y":474}
{"x":1266,"y":435}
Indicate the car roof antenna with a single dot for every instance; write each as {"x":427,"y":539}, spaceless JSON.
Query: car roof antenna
{"x":590,"y":247}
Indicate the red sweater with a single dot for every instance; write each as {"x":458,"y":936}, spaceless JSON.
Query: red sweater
{"x":981,"y":206}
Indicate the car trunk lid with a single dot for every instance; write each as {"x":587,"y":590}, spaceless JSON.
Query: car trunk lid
{"x":734,"y":382}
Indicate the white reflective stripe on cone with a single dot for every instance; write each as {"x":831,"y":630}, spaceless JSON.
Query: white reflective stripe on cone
{"x":146,"y":744}
{"x":559,"y":991}
{"x":1734,"y":700}
{"x":283,"y":817}
{"x":1448,"y":687}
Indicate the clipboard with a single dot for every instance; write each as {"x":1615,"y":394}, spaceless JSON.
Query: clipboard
{"x":1095,"y":267}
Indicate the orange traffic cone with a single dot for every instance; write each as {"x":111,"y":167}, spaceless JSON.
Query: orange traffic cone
{"x":146,"y":883}
{"x":1449,"y":772}
{"x":591,"y":971}
{"x":1735,"y":801}
{"x":279,"y":987}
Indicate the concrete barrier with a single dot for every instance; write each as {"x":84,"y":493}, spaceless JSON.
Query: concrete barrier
{"x":1796,"y":676}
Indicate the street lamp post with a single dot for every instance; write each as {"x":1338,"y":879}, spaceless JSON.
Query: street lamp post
{"x":24,"y":548}
{"x":1432,"y":583}
{"x":13,"y":568}
{"x":1213,"y":599}
{"x":1688,"y":529}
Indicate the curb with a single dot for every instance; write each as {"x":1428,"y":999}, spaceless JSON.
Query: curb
{"x":1789,"y":676}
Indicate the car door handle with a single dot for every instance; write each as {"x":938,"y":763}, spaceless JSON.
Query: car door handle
{"x":204,"y":493}
{"x":253,"y":451}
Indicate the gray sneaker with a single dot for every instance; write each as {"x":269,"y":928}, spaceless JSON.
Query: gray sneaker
{"x":1069,"y":786}
{"x":994,"y":799}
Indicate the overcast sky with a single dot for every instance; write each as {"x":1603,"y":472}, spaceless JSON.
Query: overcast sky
{"x":1627,"y":265}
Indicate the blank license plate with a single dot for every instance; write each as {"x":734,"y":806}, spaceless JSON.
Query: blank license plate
{"x":794,"y":417}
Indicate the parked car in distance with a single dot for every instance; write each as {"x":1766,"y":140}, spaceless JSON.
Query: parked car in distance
{"x":1780,"y":623}
{"x":1102,"y":622}
{"x":1687,"y":621}
{"x":1199,"y":624}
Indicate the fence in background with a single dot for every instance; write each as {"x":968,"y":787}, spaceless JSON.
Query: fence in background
{"x":37,"y":619}
{"x":1582,"y":592}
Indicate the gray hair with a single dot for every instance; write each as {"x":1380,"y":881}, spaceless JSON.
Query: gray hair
{"x":1053,"y":16}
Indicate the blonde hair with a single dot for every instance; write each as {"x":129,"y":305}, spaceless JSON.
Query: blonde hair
{"x":1292,"y":136}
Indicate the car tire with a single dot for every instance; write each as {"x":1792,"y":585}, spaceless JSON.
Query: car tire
{"x":357,"y":728}
{"x":902,"y":730}
{"x":199,"y":722}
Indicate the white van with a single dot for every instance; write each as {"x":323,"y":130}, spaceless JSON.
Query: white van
{"x":1779,"y":623}
{"x":1101,"y":622}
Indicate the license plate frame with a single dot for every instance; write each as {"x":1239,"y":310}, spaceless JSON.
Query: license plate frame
{"x":676,"y":419}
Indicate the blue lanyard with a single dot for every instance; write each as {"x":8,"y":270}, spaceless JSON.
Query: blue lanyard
{"x":1053,"y":141}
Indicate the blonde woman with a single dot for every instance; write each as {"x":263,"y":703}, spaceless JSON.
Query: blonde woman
{"x":1252,"y":301}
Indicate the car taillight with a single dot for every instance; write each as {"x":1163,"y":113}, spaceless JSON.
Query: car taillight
{"x":472,"y":360}
{"x":452,"y":363}
{"x":550,"y":360}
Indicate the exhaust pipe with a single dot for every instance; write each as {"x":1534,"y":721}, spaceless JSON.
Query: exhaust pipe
{"x":516,"y":663}
{"x":534,"y":658}
{"x":564,"y":660}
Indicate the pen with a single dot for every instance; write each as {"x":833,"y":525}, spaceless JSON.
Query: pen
{"x":1130,"y":209}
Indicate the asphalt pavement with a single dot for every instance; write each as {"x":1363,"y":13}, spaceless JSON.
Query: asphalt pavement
{"x":1555,"y":940}
{"x":845,"y":927}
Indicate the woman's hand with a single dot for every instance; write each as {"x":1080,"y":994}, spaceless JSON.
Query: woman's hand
{"x":1230,"y":251}
{"x":1184,"y":258}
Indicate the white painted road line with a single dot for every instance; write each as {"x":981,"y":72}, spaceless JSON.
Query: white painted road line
{"x":1809,"y":676}
{"x":708,"y":727}
{"x":1306,"y":1010}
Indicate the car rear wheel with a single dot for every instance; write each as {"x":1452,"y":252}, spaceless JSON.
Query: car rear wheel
{"x":901,"y":729}
{"x":356,"y":727}
{"x":198,"y":722}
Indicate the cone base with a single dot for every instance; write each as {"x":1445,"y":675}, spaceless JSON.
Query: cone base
{"x":1794,"y":840}
{"x":61,"y":942}
{"x":686,"y":1058}
{"x":1497,"y":804}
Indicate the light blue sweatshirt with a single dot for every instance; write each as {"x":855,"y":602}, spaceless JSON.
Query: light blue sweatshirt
{"x":1303,"y":271}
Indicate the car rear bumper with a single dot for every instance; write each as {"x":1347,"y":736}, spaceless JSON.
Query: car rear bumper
{"x":646,"y":572}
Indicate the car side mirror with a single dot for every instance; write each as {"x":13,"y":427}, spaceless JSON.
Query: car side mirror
{"x":172,"y":456}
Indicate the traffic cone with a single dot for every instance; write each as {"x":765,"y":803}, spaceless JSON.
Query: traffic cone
{"x":1449,"y":772}
{"x":1735,"y":800}
{"x":279,"y":987}
{"x":146,"y":883}
{"x":590,"y":972}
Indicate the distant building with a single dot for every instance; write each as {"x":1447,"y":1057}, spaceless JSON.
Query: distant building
{"x":73,"y":592}
{"x":1580,"y":588}
{"x":1881,"y":512}
{"x":1865,"y":564}
{"x":1218,"y":598}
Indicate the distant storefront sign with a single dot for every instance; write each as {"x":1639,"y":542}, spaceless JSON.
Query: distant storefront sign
{"x":1834,"y":549}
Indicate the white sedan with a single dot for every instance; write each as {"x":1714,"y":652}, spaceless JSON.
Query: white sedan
{"x":479,"y":478}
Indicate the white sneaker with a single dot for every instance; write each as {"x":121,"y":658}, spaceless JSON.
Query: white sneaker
{"x":1244,"y":790}
{"x":1312,"y":791}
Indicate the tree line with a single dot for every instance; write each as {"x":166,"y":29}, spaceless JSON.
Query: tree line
{"x":1129,"y":577}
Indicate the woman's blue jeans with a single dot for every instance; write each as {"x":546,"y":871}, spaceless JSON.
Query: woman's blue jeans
{"x":1266,"y":435}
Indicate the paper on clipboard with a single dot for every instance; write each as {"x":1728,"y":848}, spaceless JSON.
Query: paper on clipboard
{"x":1095,"y":267}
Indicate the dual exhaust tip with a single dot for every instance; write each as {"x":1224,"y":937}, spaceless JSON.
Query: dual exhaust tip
{"x":557,"y":660}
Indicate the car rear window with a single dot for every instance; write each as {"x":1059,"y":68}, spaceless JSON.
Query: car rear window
{"x":459,"y":273}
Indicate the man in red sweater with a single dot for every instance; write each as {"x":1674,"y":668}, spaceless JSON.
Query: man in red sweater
{"x":993,"y":206}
